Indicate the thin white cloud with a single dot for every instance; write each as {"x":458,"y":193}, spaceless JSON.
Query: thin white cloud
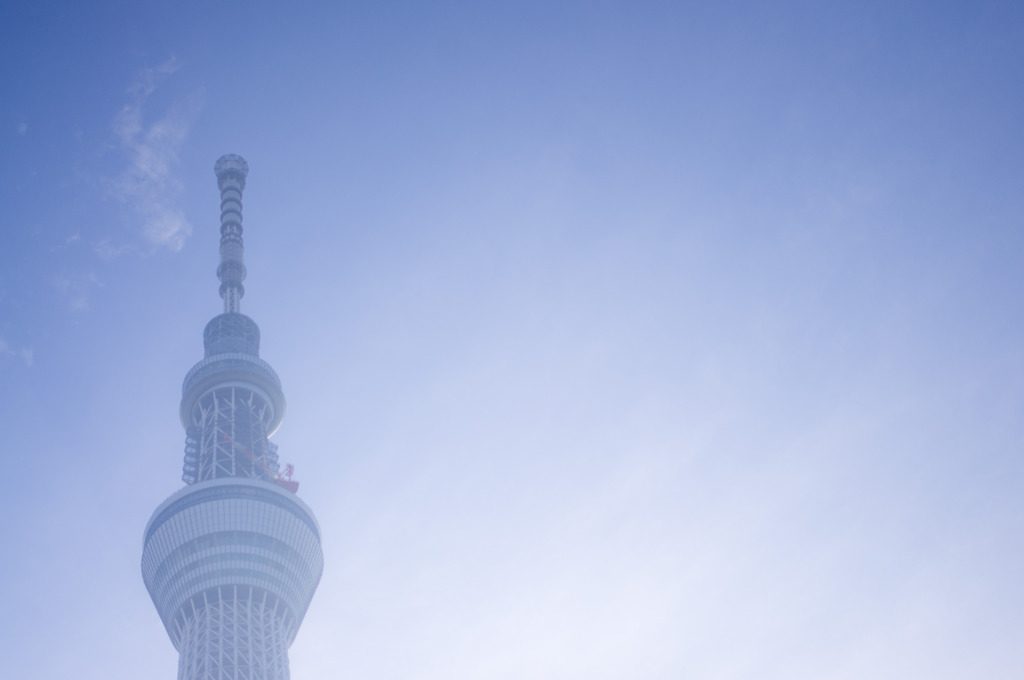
{"x":26,"y":354}
{"x":69,"y":241}
{"x":22,"y":128}
{"x":107,"y":251}
{"x":75,"y":289}
{"x":147,"y":183}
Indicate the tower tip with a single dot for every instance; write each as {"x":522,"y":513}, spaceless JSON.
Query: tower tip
{"x":231,"y":171}
{"x":231,"y":166}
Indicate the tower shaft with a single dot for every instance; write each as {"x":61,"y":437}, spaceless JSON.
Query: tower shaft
{"x":231,"y":172}
{"x":232,"y":560}
{"x":257,"y":649}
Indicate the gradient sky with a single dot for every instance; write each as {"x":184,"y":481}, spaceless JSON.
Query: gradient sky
{"x":621,"y":340}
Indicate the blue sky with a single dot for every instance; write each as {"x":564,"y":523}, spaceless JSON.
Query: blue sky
{"x":620,"y":340}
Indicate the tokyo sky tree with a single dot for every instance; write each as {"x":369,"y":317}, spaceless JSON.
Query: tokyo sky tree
{"x":232,"y":560}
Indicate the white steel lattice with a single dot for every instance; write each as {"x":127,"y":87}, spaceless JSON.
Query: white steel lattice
{"x":235,"y":634}
{"x":228,"y":436}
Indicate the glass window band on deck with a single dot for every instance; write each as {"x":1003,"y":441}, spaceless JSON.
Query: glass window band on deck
{"x":286,"y":556}
{"x":230,"y":492}
{"x":229,"y":361}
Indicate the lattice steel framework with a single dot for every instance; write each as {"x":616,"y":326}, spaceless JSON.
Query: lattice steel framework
{"x":233,"y":559}
{"x":235,"y":633}
{"x":227,"y":437}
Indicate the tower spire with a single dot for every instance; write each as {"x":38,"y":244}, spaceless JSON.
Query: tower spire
{"x":231,"y":171}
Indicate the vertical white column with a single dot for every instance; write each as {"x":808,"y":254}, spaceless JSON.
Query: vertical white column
{"x":231,"y":172}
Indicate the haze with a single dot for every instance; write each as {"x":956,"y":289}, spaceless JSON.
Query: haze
{"x":621,"y":340}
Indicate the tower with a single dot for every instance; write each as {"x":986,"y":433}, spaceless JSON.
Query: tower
{"x":232,"y":559}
